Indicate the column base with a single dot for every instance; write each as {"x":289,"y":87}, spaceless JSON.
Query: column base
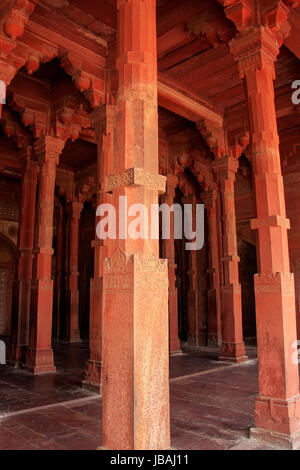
{"x":174,"y":347}
{"x":16,"y":355}
{"x":213,"y":340}
{"x":39,"y":361}
{"x":276,"y":439}
{"x":278,"y":416}
{"x":92,"y":380}
{"x":135,"y":365}
{"x":176,"y":353}
{"x":74,"y":339}
{"x":202,"y":339}
{"x":233,"y":352}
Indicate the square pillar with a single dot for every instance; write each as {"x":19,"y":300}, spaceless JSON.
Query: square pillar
{"x":39,"y":357}
{"x":135,"y":362}
{"x":103,"y":120}
{"x":168,"y":252}
{"x":22,"y":285}
{"x":72,"y":333}
{"x":233,"y":347}
{"x":210,"y":199}
{"x":60,"y":257}
{"x":277,"y":408}
{"x":193,"y":291}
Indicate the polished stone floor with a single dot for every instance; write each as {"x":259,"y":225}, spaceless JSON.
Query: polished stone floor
{"x":212,"y":404}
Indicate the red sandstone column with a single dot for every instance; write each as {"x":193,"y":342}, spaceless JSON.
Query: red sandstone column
{"x":168,"y":252}
{"x":22,"y":285}
{"x":192,"y":294}
{"x":209,"y":199}
{"x":277,"y":411}
{"x":103,"y":120}
{"x":233,"y":347}
{"x":73,"y":210}
{"x":135,"y":369}
{"x":60,"y":252}
{"x":39,"y":356}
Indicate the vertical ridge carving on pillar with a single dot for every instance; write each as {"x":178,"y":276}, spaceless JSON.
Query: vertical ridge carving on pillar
{"x":39,"y":357}
{"x":72,"y":333}
{"x":103,"y":121}
{"x":168,"y":252}
{"x":277,"y":410}
{"x":233,"y":347}
{"x":210,"y":199}
{"x":135,"y":369}
{"x":22,"y":285}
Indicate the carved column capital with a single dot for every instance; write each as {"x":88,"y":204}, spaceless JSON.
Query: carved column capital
{"x":48,"y":148}
{"x":26,"y":163}
{"x":255,"y":49}
{"x":209,"y":198}
{"x":189,"y":199}
{"x":172,"y":182}
{"x":246,"y":14}
{"x":74,"y":209}
{"x":225,"y":168}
